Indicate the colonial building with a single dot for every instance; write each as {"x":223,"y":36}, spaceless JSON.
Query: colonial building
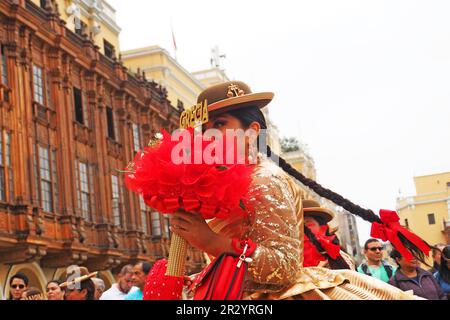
{"x":158,"y":65}
{"x":348,"y":233}
{"x":302,"y":161}
{"x":428,"y":212}
{"x":70,"y":118}
{"x":210,"y":77}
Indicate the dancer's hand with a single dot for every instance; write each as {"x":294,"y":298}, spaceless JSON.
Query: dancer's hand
{"x":194,"y":229}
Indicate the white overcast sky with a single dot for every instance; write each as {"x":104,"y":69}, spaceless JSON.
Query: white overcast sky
{"x":366,"y":84}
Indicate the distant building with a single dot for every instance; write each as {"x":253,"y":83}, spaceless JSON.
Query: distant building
{"x":158,"y":65}
{"x":71,"y":116}
{"x":92,"y":19}
{"x":428,"y":212}
{"x":211,"y":76}
{"x":348,"y":234}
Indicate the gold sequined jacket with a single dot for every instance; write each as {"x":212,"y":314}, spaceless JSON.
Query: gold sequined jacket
{"x":275,"y":224}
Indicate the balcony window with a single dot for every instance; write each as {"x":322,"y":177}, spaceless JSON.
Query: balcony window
{"x":136,"y":138}
{"x":110,"y":123}
{"x":78,"y":103}
{"x":431,"y":219}
{"x":166,"y":225}
{"x":80,"y":27}
{"x":45,"y":180}
{"x":156,"y":224}
{"x":144,"y":215}
{"x":109,"y":49}
{"x":116,"y":201}
{"x":4,"y":67}
{"x":38,"y":84}
{"x":85,"y":190}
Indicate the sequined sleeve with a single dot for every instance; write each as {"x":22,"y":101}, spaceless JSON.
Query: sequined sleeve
{"x":273,"y":227}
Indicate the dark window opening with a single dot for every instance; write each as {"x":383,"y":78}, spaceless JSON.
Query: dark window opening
{"x":110,"y":120}
{"x":180,"y":105}
{"x":109,"y":49}
{"x":80,"y":27}
{"x":43,"y":3}
{"x":431,"y":219}
{"x":406,"y":223}
{"x":78,"y":102}
{"x":4,"y":67}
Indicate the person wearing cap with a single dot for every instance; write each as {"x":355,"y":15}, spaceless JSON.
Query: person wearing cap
{"x":275,"y":219}
{"x":79,"y":284}
{"x":325,"y":249}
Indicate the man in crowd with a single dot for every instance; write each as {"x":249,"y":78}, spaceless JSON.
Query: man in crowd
{"x":99,"y":287}
{"x":140,"y":272}
{"x":410,"y":276}
{"x":119,"y":290}
{"x":79,"y":284}
{"x":18,"y":284}
{"x":375,"y":266}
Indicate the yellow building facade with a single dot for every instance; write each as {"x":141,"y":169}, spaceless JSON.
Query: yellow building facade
{"x":156,"y":63}
{"x":428,"y":212}
{"x":302,"y":162}
{"x":210,"y":77}
{"x":94,"y":18}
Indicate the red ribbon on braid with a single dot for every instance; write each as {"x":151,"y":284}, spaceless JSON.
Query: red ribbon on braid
{"x":391,"y":228}
{"x":312,"y":256}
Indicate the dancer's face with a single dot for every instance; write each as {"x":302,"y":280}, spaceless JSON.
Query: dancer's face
{"x":312,"y":223}
{"x":225,"y":121}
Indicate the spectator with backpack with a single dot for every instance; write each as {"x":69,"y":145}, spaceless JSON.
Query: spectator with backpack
{"x":410,"y":277}
{"x":375,"y":266}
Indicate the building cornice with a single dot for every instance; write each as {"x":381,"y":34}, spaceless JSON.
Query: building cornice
{"x":415,"y":203}
{"x":138,"y":53}
{"x":92,"y":9}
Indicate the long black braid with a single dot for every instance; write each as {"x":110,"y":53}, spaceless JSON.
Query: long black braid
{"x":253,"y":114}
{"x":338,"y":263}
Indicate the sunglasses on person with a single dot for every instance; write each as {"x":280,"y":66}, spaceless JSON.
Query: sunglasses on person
{"x":376,"y":249}
{"x":20,"y":286}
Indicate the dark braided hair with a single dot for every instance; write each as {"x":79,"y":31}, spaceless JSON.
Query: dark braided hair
{"x":253,"y":114}
{"x":338,"y":263}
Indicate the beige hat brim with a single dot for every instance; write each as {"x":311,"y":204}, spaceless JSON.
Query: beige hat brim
{"x":259,"y":100}
{"x":78,"y":280}
{"x":319,"y":212}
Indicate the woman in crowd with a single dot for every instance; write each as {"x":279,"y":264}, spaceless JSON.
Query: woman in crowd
{"x":54,"y":291}
{"x":410,"y":277}
{"x":443,"y":275}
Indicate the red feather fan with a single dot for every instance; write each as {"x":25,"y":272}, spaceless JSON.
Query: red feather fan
{"x":215,"y":190}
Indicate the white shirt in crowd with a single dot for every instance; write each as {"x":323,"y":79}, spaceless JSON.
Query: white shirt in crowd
{"x":114,"y":293}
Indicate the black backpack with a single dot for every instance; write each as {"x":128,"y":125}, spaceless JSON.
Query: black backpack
{"x":386,"y":267}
